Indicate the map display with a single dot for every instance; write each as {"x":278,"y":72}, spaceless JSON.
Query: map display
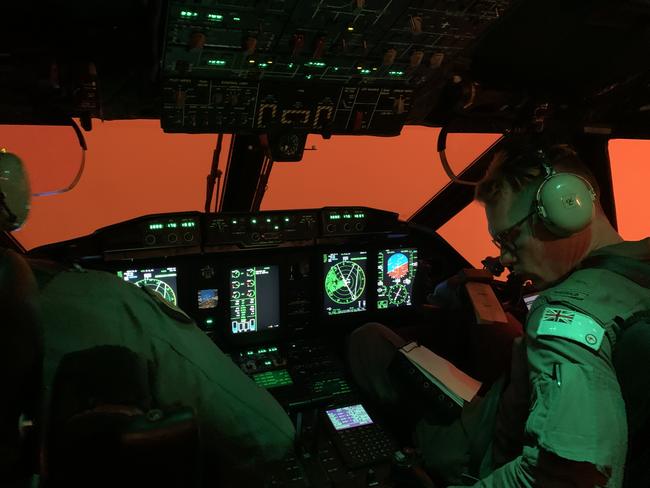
{"x":160,"y":280}
{"x":345,"y":282}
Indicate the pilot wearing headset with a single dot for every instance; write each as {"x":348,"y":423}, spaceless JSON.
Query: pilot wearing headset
{"x":242,"y":426}
{"x":560,"y":419}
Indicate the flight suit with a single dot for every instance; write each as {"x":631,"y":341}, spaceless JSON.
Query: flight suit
{"x":559,"y":419}
{"x":573,"y":430}
{"x":241,"y":424}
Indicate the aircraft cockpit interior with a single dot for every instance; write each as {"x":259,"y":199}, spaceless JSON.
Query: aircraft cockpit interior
{"x":277,"y":292}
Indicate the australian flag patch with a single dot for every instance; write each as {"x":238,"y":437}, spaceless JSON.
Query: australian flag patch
{"x":572,"y":325}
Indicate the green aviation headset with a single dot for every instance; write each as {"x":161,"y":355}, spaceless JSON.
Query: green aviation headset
{"x":14,"y":192}
{"x":564,"y":202}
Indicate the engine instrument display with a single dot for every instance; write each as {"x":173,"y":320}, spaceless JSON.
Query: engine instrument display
{"x":254,"y":299}
{"x":396,"y":270}
{"x":345,"y":282}
{"x":160,"y":280}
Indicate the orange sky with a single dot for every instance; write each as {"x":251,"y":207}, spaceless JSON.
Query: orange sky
{"x":133,"y":168}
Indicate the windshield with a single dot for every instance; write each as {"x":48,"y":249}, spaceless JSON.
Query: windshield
{"x":399,"y":174}
{"x":630,"y":176}
{"x":133,"y":169}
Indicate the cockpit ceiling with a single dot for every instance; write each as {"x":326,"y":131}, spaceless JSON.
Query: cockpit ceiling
{"x":351,"y":67}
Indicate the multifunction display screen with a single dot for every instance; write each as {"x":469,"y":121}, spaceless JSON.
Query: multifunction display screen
{"x":348,"y":417}
{"x":160,"y":280}
{"x":345,"y":282}
{"x":529,"y":299}
{"x":208,"y":298}
{"x":254,"y":299}
{"x":395,"y":274}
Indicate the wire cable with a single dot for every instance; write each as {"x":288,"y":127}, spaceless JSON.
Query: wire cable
{"x":442,"y":147}
{"x":82,"y":165}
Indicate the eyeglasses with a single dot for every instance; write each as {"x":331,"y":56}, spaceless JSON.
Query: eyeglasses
{"x":504,"y":240}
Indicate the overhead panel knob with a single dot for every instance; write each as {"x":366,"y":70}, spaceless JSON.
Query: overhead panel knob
{"x":389,"y":56}
{"x":197,"y":41}
{"x":416,"y":58}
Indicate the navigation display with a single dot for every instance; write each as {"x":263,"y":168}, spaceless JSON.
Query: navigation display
{"x":160,"y":280}
{"x":395,"y":274}
{"x":345,"y":282}
{"x":254,"y":299}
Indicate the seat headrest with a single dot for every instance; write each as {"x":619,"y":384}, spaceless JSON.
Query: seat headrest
{"x":20,"y":337}
{"x":20,"y":357}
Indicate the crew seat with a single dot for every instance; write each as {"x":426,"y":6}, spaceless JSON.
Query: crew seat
{"x":100,"y":427}
{"x":103,"y":430}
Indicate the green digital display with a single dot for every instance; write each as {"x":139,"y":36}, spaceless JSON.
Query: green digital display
{"x":172,"y":225}
{"x":254,"y":299}
{"x":273,"y":379}
{"x":345,"y":282}
{"x":396,"y":270}
{"x":160,"y":280}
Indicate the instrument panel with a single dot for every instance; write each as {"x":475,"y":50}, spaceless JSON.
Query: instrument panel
{"x":349,"y":68}
{"x":254,"y":278}
{"x":205,"y":106}
{"x":278,"y":292}
{"x":253,"y":297}
{"x":271,"y":288}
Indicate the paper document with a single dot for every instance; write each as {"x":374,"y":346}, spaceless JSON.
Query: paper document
{"x":457,"y":385}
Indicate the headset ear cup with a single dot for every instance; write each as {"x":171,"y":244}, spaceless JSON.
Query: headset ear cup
{"x":565,"y":203}
{"x":16,"y":194}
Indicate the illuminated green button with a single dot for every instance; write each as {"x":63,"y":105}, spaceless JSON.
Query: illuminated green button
{"x":273,"y":379}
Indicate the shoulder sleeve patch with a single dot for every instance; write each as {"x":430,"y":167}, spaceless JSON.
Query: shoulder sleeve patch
{"x":572,"y":325}
{"x":169,"y":308}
